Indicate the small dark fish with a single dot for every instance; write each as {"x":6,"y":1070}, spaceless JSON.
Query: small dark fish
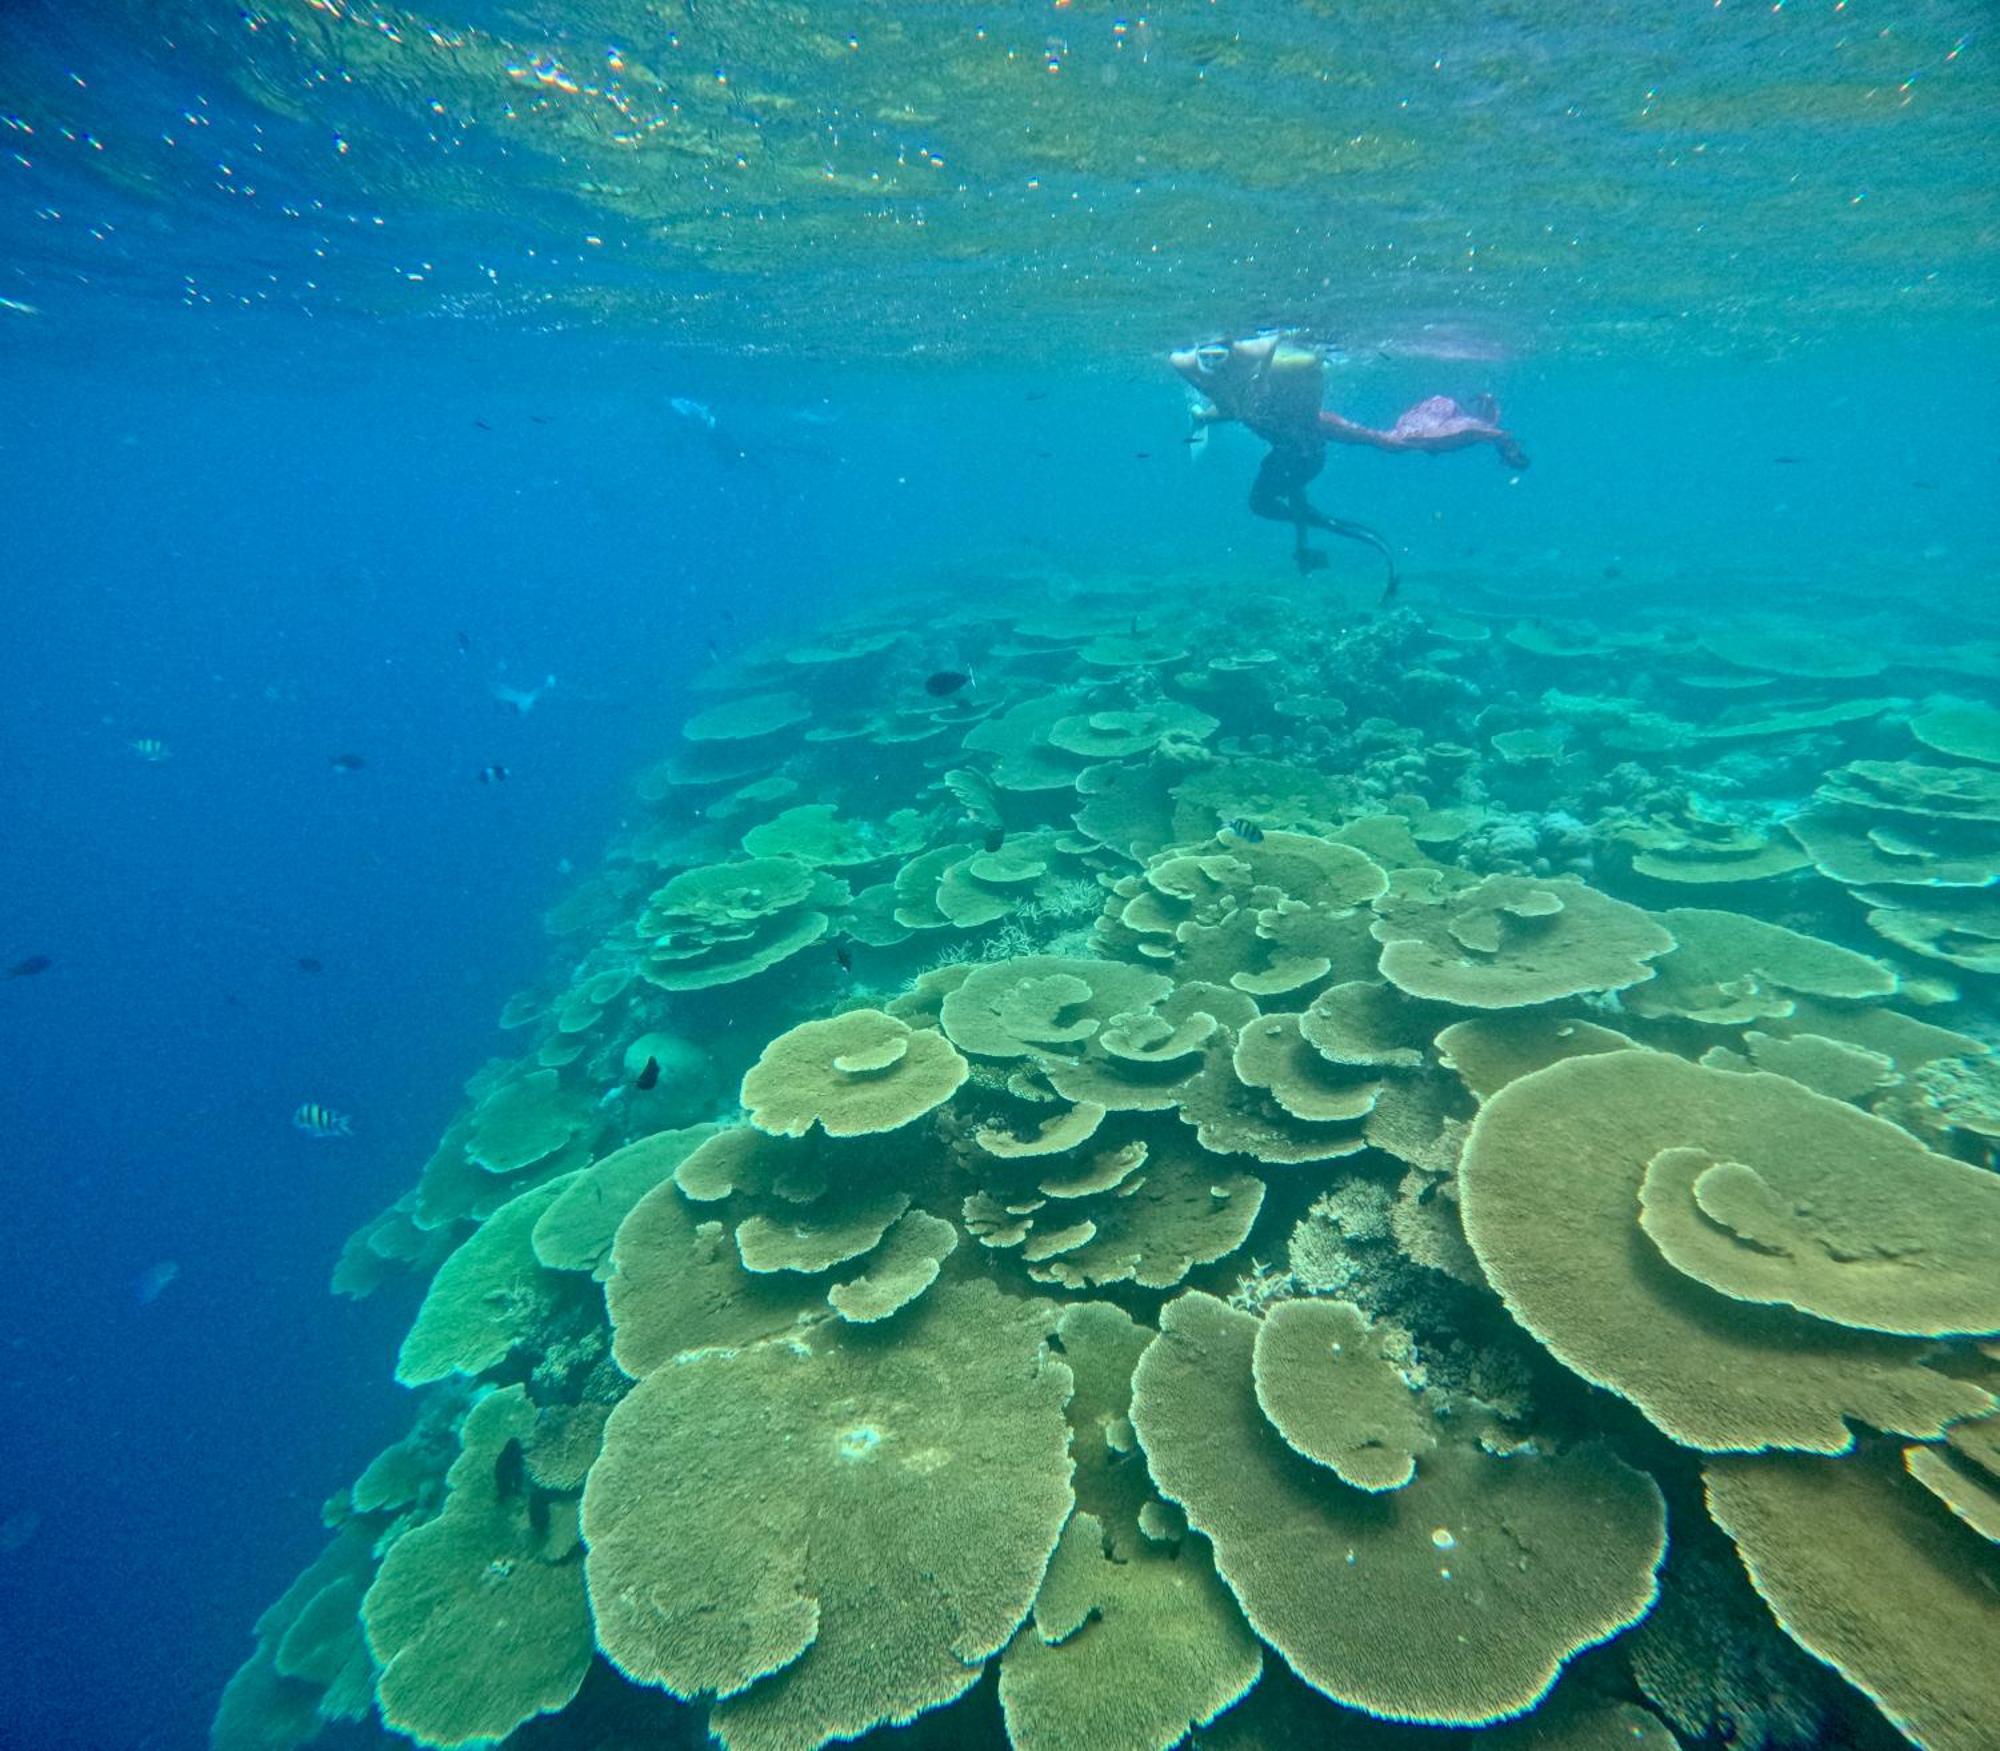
{"x":842,"y":958}
{"x":714,"y":652}
{"x":1142,"y":455}
{"x":482,"y":425}
{"x":995,"y":838}
{"x":311,"y":964}
{"x":1924,"y":485}
{"x":1036,"y":395}
{"x":649,"y":1077}
{"x":464,"y":645}
{"x":1195,"y":438}
{"x":348,"y":762}
{"x":945,"y":683}
{"x":30,"y":967}
{"x":1613,"y":572}
{"x":539,"y":419}
{"x":1248,"y":831}
{"x":493,"y":775}
{"x":1787,"y":461}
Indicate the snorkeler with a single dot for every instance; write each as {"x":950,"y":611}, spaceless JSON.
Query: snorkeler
{"x":1273,"y":384}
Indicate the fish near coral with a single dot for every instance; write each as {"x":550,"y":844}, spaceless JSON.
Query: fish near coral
{"x":321,"y":1122}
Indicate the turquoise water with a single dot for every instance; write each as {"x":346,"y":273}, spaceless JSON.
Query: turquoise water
{"x":1094,"y":1138}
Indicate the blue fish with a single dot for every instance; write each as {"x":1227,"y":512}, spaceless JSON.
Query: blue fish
{"x":322,"y":1122}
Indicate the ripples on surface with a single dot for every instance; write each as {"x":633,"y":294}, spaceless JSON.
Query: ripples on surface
{"x":1013,"y":180}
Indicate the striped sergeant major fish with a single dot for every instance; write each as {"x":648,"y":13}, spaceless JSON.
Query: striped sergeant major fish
{"x":321,"y":1122}
{"x":150,"y":749}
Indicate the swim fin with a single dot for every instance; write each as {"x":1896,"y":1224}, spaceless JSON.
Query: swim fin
{"x":1369,"y":538}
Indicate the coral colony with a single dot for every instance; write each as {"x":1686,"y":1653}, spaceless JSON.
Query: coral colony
{"x":1243,"y":1178}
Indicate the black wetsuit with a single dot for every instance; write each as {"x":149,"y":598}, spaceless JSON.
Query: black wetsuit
{"x":1279,"y":494}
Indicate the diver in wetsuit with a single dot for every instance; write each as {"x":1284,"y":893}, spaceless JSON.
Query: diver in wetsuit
{"x":1273,"y":384}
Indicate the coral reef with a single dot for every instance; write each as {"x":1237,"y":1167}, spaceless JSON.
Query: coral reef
{"x":1208,"y":1186}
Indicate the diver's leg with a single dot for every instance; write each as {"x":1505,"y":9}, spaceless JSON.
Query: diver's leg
{"x":1274,"y":494}
{"x":1278,"y":494}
